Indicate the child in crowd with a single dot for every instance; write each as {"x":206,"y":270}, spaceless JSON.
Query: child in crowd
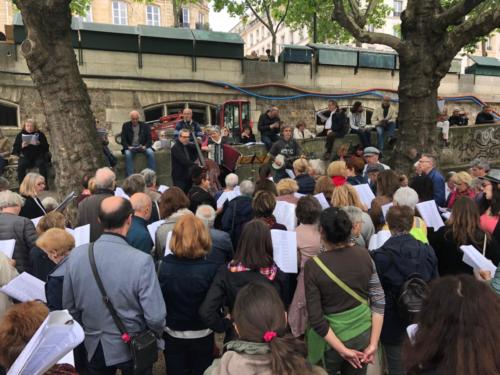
{"x":263,"y":346}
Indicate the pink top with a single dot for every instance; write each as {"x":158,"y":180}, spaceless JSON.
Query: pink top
{"x":488,"y":223}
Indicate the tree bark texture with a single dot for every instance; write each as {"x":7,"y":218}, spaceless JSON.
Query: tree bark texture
{"x":76,"y":150}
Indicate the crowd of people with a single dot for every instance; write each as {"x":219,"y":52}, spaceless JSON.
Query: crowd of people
{"x":194,"y":269}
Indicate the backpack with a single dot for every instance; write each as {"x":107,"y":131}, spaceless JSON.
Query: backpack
{"x":412,"y":294}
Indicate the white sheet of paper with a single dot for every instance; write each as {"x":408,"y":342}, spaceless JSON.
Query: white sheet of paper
{"x":167,"y":244}
{"x":285,"y":250}
{"x":36,"y":220}
{"x":411,"y":331}
{"x":163,"y":188}
{"x":227,"y":196}
{"x":446,"y":215}
{"x":365,"y":194}
{"x":322,"y":200}
{"x":80,"y":234}
{"x":429,"y":212}
{"x":385,"y":208}
{"x":475,"y":259}
{"x":57,"y":336}
{"x":290,"y":173}
{"x":153,"y":227}
{"x":378,"y":239}
{"x":120,"y":193}
{"x":7,"y":247}
{"x":68,"y":359}
{"x":284,"y":213}
{"x":298,"y":195}
{"x":24,"y":288}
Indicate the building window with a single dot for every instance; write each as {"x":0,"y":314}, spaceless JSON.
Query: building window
{"x":201,"y":18}
{"x":488,"y":44}
{"x":185,"y":17}
{"x":153,"y":15}
{"x":88,"y":15}
{"x":398,"y":8}
{"x":257,"y":36}
{"x":120,"y":13}
{"x":251,"y":39}
{"x":8,"y":114}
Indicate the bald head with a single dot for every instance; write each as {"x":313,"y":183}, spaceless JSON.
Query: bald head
{"x":114,"y":214}
{"x":134,"y":116}
{"x":104,"y":178}
{"x":187,"y":114}
{"x":142,"y":204}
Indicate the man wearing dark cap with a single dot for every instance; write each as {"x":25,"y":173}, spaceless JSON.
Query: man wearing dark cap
{"x":129,"y":279}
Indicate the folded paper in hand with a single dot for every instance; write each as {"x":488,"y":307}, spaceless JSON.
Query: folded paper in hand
{"x":475,"y":259}
{"x":285,"y":250}
{"x":163,"y":188}
{"x":227,"y":196}
{"x":7,"y":247}
{"x":80,"y":234}
{"x":284,"y":213}
{"x":365,"y":194}
{"x":153,"y":227}
{"x":378,"y":239}
{"x":31,"y":139}
{"x":429,"y":212}
{"x":58,"y":335}
{"x":24,"y":288}
{"x":320,"y":197}
{"x":167,"y":244}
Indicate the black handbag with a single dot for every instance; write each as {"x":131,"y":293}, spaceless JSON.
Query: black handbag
{"x":143,"y":348}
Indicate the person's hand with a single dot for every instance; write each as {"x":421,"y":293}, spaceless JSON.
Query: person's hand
{"x":369,"y":354}
{"x":276,"y":125}
{"x":482,"y":275}
{"x":24,"y":144}
{"x":353,"y":357}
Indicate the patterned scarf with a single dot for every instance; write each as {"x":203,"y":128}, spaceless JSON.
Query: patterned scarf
{"x":270,"y":221}
{"x":269,"y":272}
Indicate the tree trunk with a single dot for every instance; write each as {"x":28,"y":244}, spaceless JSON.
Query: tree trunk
{"x":76,"y":150}
{"x":273,"y":46}
{"x":175,"y":9}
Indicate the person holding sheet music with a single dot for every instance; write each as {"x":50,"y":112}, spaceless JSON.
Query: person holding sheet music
{"x":399,"y":257}
{"x":7,"y":273}
{"x":345,"y":301}
{"x":13,"y":226}
{"x":253,"y":261}
{"x":57,"y":243}
{"x":263,"y":206}
{"x":462,"y":229}
{"x":185,"y":277}
{"x":33,"y":184}
{"x":33,"y":150}
{"x":286,"y":191}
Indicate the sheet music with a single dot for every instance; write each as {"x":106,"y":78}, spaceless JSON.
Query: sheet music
{"x":284,"y":213}
{"x":411,"y":331}
{"x":167,"y":244}
{"x":80,"y":234}
{"x":36,"y":220}
{"x":322,"y":200}
{"x":290,"y":173}
{"x":153,"y":227}
{"x":30,"y":138}
{"x":475,"y":259}
{"x":120,"y":193}
{"x":67,"y":200}
{"x":162,"y":188}
{"x":429,"y":212}
{"x":57,"y":336}
{"x":365,"y":194}
{"x":227,"y":196}
{"x":385,"y":208}
{"x":378,"y":239}
{"x":446,"y":215}
{"x":67,"y":359}
{"x":285,"y":250}
{"x":24,"y":288}
{"x":7,"y":247}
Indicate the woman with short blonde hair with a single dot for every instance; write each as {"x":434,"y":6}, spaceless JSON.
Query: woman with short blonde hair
{"x":32,"y":185}
{"x":185,"y":277}
{"x":462,"y":182}
{"x":305,"y":182}
{"x":287,"y":187}
{"x":57,"y":243}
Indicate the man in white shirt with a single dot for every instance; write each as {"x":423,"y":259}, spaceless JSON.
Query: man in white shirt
{"x":335,"y":126}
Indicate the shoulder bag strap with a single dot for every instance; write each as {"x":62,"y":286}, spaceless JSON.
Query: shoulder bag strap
{"x":484,"y":243}
{"x":105,"y":298}
{"x":339,"y":282}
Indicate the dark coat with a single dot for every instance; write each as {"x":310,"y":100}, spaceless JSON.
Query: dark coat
{"x":128,"y":135}
{"x":194,"y":126}
{"x":396,"y":260}
{"x":182,"y":163}
{"x":138,"y":235}
{"x":23,"y":231}
{"x":357,"y":180}
{"x":32,"y":209}
{"x":198,"y":196}
{"x":41,"y":265}
{"x":450,"y":256}
{"x":54,"y":286}
{"x":306,"y":183}
{"x":339,"y":119}
{"x":88,"y":212}
{"x":184,"y":284}
{"x":238,"y":212}
{"x":224,"y":289}
{"x":484,"y":118}
{"x":265,"y":123}
{"x":31,"y":152}
{"x":222,"y":249}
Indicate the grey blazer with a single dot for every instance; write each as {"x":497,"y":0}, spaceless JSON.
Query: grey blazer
{"x":23,"y":231}
{"x":129,"y":277}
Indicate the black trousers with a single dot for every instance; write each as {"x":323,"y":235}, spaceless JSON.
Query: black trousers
{"x":330,"y":139}
{"x":3,"y":164}
{"x":184,"y":185}
{"x":97,"y":366}
{"x":188,"y":356}
{"x":24,"y":163}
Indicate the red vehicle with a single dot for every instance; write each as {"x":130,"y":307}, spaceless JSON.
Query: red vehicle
{"x":232,"y":114}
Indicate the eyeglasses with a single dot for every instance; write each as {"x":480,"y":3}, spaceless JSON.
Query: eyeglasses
{"x":424,"y":161}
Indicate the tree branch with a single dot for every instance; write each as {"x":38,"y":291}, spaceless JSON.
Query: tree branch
{"x":269,"y":27}
{"x":475,"y":27}
{"x":284,"y":15}
{"x":453,"y":14}
{"x":347,"y":22}
{"x":355,"y":11}
{"x":369,"y":10}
